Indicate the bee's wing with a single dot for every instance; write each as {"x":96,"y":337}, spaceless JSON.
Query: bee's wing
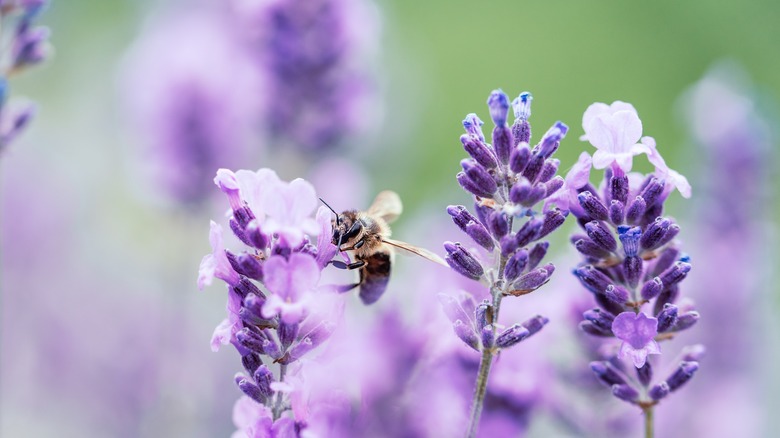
{"x":387,"y":205}
{"x":422,"y":252}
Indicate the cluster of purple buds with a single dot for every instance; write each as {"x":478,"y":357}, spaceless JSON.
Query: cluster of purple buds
{"x":28,"y":46}
{"x":632,"y":264}
{"x":508,"y":179}
{"x":275,"y":306}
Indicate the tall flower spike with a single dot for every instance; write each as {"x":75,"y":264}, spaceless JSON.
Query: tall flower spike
{"x":634,"y":288}
{"x":277,"y":309}
{"x":29,"y":46}
{"x":508,"y":180}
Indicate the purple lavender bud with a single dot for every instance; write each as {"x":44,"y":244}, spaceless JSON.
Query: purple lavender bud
{"x":479,"y":151}
{"x":652,"y":191}
{"x":532,"y":280}
{"x":659,"y":391}
{"x":512,"y":336}
{"x":686,"y":321}
{"x":482,"y":212}
{"x":653,"y":234}
{"x":616,"y":212}
{"x":675,"y":274}
{"x":466,"y":334}
{"x":314,"y":338}
{"x":667,"y":318}
{"x":535,"y":324}
{"x":593,"y":206}
{"x":553,"y":186}
{"x":548,"y":170}
{"x":652,"y":213}
{"x":520,"y":191}
{"x":471,"y":187}
{"x":248,"y":265}
{"x":607,"y":374}
{"x":251,"y":340}
{"x":593,"y":279}
{"x":536,"y":254}
{"x":479,"y":175}
{"x":682,"y":375}
{"x":473,"y":126}
{"x":452,"y":308}
{"x":593,"y":330}
{"x":254,"y":236}
{"x":537,"y":193}
{"x":553,"y":219}
{"x":508,"y":245}
{"x":467,"y":302}
{"x":552,"y":138}
{"x":251,"y":361}
{"x":636,"y":209}
{"x":287,"y":333}
{"x":488,"y":337}
{"x":693,"y":353}
{"x":246,"y":287}
{"x":271,"y":348}
{"x":616,"y":293}
{"x":600,"y":319}
{"x":263,"y":378}
{"x":462,"y":261}
{"x":670,"y":234}
{"x":250,"y":317}
{"x":619,"y":188}
{"x":668,"y":295}
{"x":515,"y":265}
{"x":483,"y":314}
{"x":498,"y":102}
{"x":503,"y":143}
{"x":498,"y":224}
{"x":480,"y":234}
{"x":519,"y":157}
{"x":528,"y":232}
{"x":665,"y":260}
{"x":254,"y":303}
{"x":645,"y":374}
{"x":629,"y":237}
{"x":534,"y":166}
{"x":588,"y":248}
{"x":30,"y":45}
{"x":239,"y":231}
{"x":625,"y":393}
{"x":251,"y":390}
{"x":522,"y":105}
{"x":461,"y":216}
{"x":632,"y":270}
{"x":652,"y":288}
{"x":601,"y":236}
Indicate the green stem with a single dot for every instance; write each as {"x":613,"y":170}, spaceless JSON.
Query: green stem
{"x":648,"y":421}
{"x":277,"y":409}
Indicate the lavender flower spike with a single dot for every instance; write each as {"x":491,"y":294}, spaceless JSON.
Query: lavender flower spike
{"x":276,"y":307}
{"x":509,"y":181}
{"x":636,"y":289}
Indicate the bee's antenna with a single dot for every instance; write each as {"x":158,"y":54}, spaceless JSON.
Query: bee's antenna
{"x":331,"y":209}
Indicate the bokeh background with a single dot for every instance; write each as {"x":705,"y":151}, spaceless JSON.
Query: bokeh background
{"x":103,"y":330}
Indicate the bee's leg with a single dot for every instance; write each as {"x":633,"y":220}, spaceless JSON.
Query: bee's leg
{"x":346,"y":288}
{"x":341,"y":265}
{"x":357,"y":245}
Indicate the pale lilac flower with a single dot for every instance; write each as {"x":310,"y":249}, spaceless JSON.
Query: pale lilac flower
{"x":637,"y":332}
{"x":614,"y":130}
{"x":577,"y":178}
{"x":291,"y":281}
{"x":673,"y":178}
{"x":289,"y":208}
{"x":225,"y":333}
{"x":216,"y":264}
{"x":256,"y":421}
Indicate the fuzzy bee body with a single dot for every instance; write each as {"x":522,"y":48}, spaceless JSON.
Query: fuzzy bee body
{"x":367,"y":234}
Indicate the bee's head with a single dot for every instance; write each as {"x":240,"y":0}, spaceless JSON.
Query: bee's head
{"x":344,"y":227}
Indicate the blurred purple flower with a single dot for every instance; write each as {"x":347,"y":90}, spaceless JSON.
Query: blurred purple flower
{"x":216,"y":264}
{"x":190,"y":92}
{"x":290,"y":281}
{"x":309,"y":55}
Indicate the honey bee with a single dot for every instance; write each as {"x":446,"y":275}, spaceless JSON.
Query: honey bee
{"x":367,"y":234}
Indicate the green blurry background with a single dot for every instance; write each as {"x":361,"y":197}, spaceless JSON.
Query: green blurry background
{"x":439,"y":61}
